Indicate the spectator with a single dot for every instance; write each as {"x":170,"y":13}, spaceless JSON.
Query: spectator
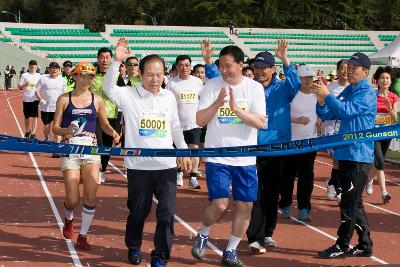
{"x":7,"y":78}
{"x":22,"y":71}
{"x":230,"y":26}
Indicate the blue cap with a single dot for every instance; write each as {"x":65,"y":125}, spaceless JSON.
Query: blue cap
{"x":264,"y":60}
{"x":360,"y":59}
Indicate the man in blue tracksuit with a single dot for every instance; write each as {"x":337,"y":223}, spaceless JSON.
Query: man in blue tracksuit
{"x":278,"y":95}
{"x":356,"y":108}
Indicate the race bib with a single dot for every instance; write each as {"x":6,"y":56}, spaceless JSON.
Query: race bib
{"x":80,"y":140}
{"x":227,"y":116}
{"x":153,"y":124}
{"x":188,"y":97}
{"x":31,"y":86}
{"x":383,"y":119}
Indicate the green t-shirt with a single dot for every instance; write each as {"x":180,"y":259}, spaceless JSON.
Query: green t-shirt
{"x":97,"y":88}
{"x":70,"y":83}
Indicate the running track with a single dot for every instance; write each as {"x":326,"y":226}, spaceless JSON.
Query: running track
{"x":31,"y":208}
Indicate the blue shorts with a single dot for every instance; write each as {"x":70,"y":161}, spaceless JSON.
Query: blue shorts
{"x":244,"y":181}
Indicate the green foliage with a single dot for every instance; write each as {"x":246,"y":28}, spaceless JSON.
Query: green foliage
{"x":311,"y":14}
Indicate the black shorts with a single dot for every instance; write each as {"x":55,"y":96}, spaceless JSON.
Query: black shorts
{"x":47,"y":117}
{"x":203,"y":134}
{"x":192,"y":136}
{"x":31,"y":109}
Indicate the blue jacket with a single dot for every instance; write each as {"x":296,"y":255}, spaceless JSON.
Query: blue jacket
{"x":356,"y":109}
{"x":212,"y":71}
{"x":278,"y":95}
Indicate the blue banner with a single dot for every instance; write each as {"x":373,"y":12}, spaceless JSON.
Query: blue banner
{"x":11,"y":143}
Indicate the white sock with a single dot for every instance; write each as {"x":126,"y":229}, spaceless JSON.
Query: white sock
{"x":204,"y":230}
{"x":69,"y":214}
{"x":233,"y":242}
{"x":87,"y":218}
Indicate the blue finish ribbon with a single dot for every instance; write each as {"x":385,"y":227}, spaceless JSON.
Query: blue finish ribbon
{"x":11,"y":143}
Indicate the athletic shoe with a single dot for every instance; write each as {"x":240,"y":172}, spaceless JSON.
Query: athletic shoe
{"x":256,"y":248}
{"x":33,"y":136}
{"x":82,"y":242}
{"x":304,"y":215}
{"x":134,"y":256}
{"x":230,"y":258}
{"x":369,"y":187}
{"x":269,"y":242}
{"x":193,"y":183}
{"x":179,"y":179}
{"x":386,"y":197}
{"x":102,"y":177}
{"x":68,"y":230}
{"x":56,"y":155}
{"x":359,"y":252}
{"x":157,"y":262}
{"x":287,"y":212}
{"x":27,"y":134}
{"x":332,"y":252}
{"x":330,"y":191}
{"x":201,"y":174}
{"x":339,"y":198}
{"x":199,"y":246}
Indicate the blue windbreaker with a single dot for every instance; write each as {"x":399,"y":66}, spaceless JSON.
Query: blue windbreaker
{"x":212,"y":71}
{"x":278,"y":95}
{"x":356,"y":109}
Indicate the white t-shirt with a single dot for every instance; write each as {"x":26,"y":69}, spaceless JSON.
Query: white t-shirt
{"x":30,"y":89}
{"x":50,"y":89}
{"x":225,"y":128}
{"x":187,"y":97}
{"x":304,"y":105}
{"x":151,"y":121}
{"x":332,"y":127}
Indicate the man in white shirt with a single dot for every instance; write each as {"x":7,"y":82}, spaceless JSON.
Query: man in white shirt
{"x":186,"y":89}
{"x":49,"y":88}
{"x":28,"y":83}
{"x":304,"y":125}
{"x":151,"y":121}
{"x":332,"y":127}
{"x":233,"y":107}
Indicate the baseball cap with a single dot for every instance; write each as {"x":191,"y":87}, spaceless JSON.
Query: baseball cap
{"x":264,"y":60}
{"x":305,"y":71}
{"x":85,"y":68}
{"x":360,"y":59}
{"x":32,"y":62}
{"x":54,"y":65}
{"x":67,"y":63}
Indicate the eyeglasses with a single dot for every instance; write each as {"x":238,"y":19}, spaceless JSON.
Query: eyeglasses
{"x":88,"y":67}
{"x":132,"y":64}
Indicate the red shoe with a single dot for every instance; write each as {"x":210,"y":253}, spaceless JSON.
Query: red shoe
{"x":68,"y":230}
{"x":82,"y":242}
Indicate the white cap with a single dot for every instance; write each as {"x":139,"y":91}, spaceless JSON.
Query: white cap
{"x":305,"y":71}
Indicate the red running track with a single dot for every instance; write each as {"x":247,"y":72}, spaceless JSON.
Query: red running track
{"x":30,"y":220}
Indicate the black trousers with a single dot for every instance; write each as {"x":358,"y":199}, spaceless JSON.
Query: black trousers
{"x":301,"y":165}
{"x":104,"y":139}
{"x":265,"y":209}
{"x":142,"y":184}
{"x":353,"y":178}
{"x":380,"y":149}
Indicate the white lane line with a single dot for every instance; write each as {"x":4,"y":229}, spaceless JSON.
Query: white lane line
{"x":60,"y":223}
{"x":365,"y":202}
{"x":179,"y":219}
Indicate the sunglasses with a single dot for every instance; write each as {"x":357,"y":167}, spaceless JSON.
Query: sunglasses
{"x":68,"y":66}
{"x":132,"y":64}
{"x":88,"y":67}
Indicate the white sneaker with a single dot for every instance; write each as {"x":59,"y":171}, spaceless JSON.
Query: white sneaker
{"x":256,"y":248}
{"x":179,"y":179}
{"x":193,"y":183}
{"x":370,"y":187}
{"x":102,"y":178}
{"x":330,"y":191}
{"x":269,"y":242}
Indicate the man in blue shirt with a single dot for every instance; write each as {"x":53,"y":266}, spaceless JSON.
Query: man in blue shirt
{"x":278,"y":95}
{"x":356,"y":108}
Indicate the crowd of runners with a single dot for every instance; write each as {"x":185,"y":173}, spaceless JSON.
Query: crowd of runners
{"x":122,"y":100}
